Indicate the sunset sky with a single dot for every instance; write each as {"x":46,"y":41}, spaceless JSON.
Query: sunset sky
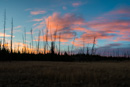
{"x":107,"y":20}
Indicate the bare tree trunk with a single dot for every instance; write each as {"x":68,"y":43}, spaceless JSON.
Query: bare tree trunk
{"x":68,"y":50}
{"x":25,"y":39}
{"x":93,"y":46}
{"x":32,"y":39}
{"x":23,"y":43}
{"x":52,"y":47}
{"x":73,"y":43}
{"x":38,"y":42}
{"x":18,"y":49}
{"x":11,"y":36}
{"x":59,"y":42}
{"x":4,"y":28}
{"x":83,"y":45}
{"x":46,"y":45}
{"x":50,"y":33}
{"x":55,"y":34}
{"x":55,"y":37}
{"x":88,"y":49}
{"x":30,"y":48}
{"x":0,"y":45}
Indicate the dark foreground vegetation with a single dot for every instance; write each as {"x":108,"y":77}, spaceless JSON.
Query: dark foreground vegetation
{"x":64,"y":74}
{"x":5,"y":55}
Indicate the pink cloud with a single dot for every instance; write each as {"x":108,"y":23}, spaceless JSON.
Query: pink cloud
{"x":107,"y":25}
{"x":106,"y":29}
{"x":61,"y":22}
{"x":123,"y":38}
{"x":37,"y":12}
{"x":121,"y":11}
{"x":76,"y":4}
{"x":113,"y":23}
{"x":65,"y":22}
{"x":71,"y":22}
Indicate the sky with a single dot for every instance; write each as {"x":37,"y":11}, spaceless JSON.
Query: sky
{"x":77,"y":21}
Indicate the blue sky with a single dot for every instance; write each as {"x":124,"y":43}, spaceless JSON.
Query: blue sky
{"x":107,"y":20}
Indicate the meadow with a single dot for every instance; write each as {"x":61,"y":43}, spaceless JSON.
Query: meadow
{"x":64,"y":74}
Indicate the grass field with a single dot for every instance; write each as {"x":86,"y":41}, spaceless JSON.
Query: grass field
{"x":64,"y":74}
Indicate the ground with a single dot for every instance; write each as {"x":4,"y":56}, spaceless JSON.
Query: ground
{"x":64,"y":74}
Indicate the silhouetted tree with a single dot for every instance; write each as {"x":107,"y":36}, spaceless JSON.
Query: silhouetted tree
{"x":11,"y":36}
{"x":4,"y":28}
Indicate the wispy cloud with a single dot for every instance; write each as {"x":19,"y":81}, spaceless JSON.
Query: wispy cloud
{"x":6,"y":35}
{"x":39,"y":25}
{"x":113,"y":23}
{"x":37,"y":19}
{"x":37,"y":12}
{"x":17,"y":27}
{"x":121,"y":11}
{"x":76,"y":4}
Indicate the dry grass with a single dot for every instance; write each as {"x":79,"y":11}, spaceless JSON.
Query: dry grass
{"x":64,"y":74}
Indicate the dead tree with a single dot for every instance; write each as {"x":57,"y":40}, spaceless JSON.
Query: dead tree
{"x":38,"y":42}
{"x":68,"y":50}
{"x":73,"y":43}
{"x":87,"y":49}
{"x":4,"y":29}
{"x":31,"y":38}
{"x":23,"y":43}
{"x":11,"y":36}
{"x":0,"y":45}
{"x":25,"y":39}
{"x":59,"y":42}
{"x":52,"y":48}
{"x":46,"y":45}
{"x":93,"y":47}
{"x":83,"y":45}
